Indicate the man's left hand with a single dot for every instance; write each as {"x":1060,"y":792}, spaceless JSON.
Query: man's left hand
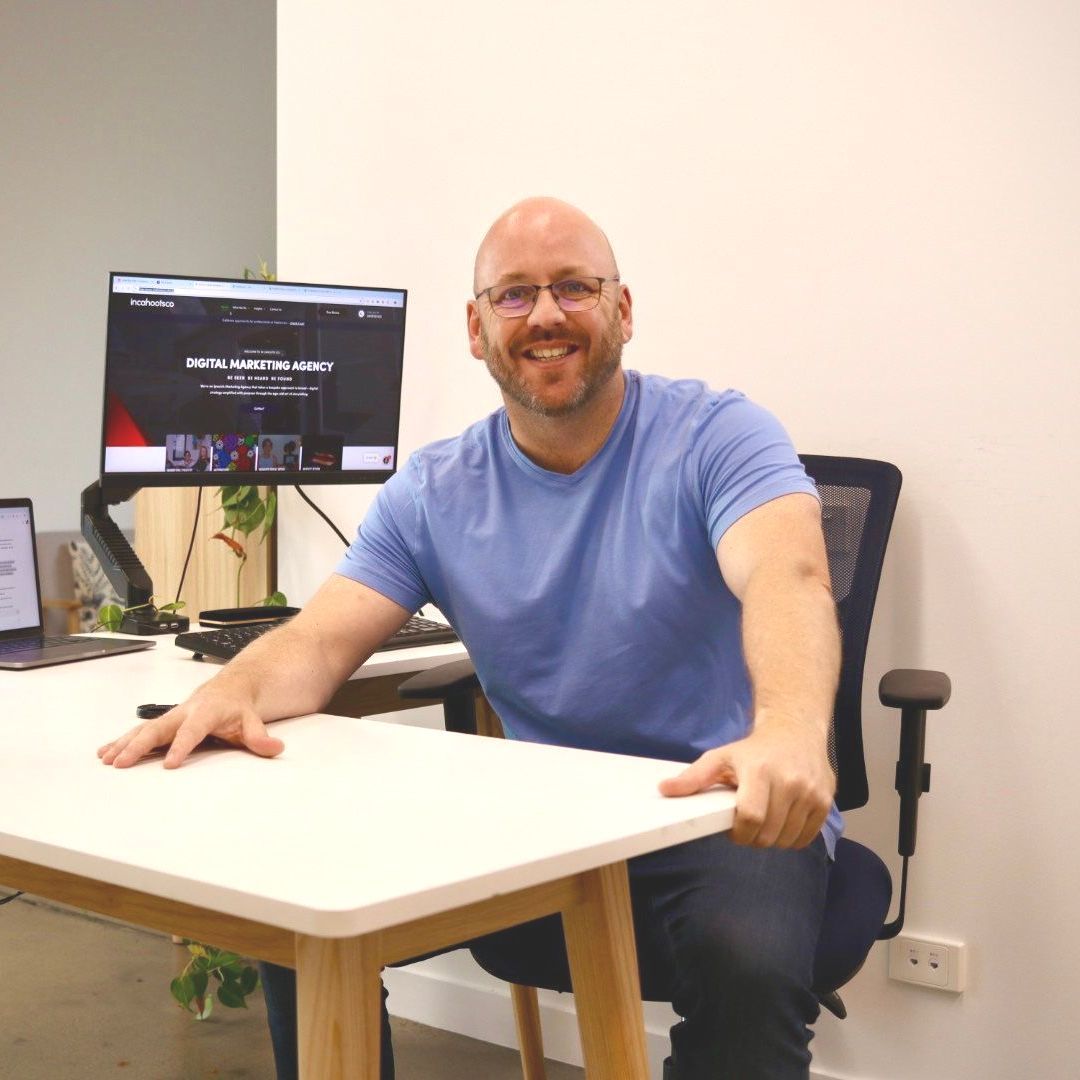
{"x":783,"y":779}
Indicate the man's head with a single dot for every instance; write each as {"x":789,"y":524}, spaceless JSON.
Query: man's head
{"x":549,"y":360}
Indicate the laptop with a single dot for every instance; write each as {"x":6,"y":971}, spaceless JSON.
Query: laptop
{"x":23,"y":643}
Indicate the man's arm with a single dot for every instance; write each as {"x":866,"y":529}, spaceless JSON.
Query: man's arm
{"x":773,"y":559}
{"x":289,"y":671}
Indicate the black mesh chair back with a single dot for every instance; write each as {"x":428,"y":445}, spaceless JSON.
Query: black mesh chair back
{"x":858,"y":500}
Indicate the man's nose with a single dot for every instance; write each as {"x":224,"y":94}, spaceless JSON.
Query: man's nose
{"x":546,"y":311}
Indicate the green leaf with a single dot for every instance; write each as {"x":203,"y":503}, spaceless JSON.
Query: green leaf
{"x":200,"y":980}
{"x":179,"y":991}
{"x":249,"y":980}
{"x":229,"y":495}
{"x":231,"y":997}
{"x":275,"y":599}
{"x":176,"y":605}
{"x":111,"y":616}
{"x":271,"y":511}
{"x":226,"y":959}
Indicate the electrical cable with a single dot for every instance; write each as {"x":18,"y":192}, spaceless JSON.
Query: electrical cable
{"x":303,"y":495}
{"x":191,"y":546}
{"x":8,"y":899}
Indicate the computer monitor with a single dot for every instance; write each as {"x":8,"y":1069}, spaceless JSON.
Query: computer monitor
{"x":226,"y":381}
{"x":212,"y":381}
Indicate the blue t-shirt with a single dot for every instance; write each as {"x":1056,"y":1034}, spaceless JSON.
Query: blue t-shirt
{"x":592,"y":604}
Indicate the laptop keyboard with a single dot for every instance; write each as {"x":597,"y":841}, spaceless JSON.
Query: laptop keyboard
{"x":22,"y":644}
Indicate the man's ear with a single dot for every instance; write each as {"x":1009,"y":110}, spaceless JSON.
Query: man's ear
{"x":626,"y":313}
{"x":472,"y":319}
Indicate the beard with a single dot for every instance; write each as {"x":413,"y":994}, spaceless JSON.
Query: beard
{"x":595,"y":375}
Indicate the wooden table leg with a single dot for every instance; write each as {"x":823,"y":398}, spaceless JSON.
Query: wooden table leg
{"x":339,"y":1004}
{"x":603,"y":966}
{"x":530,"y":1039}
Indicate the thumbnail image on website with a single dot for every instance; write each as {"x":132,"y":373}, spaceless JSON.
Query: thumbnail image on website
{"x":221,"y":376}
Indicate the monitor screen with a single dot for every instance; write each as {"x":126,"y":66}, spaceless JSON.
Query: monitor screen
{"x":219,"y":381}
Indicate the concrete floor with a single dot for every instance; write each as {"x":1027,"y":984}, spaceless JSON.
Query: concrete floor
{"x":83,"y":998}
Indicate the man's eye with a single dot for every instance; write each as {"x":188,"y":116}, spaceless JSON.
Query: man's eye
{"x":575,"y":288}
{"x":513,"y":294}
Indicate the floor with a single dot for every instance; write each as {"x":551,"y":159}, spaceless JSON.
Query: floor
{"x":83,"y":998}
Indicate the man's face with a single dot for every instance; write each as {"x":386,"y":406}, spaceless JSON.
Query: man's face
{"x":554,"y":385}
{"x":551,"y":362}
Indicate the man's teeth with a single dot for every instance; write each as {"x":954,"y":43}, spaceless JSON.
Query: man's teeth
{"x":549,"y":354}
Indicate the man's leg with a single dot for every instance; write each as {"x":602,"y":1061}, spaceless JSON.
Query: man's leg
{"x":725,"y":933}
{"x":736,"y":928}
{"x":279,"y":990}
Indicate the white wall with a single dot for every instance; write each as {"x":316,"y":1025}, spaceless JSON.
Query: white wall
{"x":133,"y":136}
{"x":866,"y":216}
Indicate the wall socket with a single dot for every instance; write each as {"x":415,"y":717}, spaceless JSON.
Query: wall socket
{"x":941,"y":965}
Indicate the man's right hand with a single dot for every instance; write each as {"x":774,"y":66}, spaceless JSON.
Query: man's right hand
{"x":206,"y":714}
{"x":291,"y":671}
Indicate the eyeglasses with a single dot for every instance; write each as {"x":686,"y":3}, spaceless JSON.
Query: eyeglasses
{"x":573,"y":294}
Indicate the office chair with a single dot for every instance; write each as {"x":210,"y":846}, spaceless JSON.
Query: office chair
{"x":858,"y":500}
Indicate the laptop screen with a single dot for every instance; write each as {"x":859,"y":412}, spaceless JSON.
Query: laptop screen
{"x":20,"y":608}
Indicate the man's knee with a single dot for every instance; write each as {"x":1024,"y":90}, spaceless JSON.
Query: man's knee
{"x":723,"y":960}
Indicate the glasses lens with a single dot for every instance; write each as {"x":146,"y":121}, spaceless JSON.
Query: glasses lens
{"x":577,"y":294}
{"x":513,"y":299}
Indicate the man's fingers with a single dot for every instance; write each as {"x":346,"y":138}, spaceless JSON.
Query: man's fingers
{"x":710,"y":769}
{"x":256,"y":738}
{"x":140,"y":741}
{"x":187,"y":736}
{"x":751,"y":810}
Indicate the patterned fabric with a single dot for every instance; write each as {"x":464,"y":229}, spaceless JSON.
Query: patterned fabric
{"x":92,"y":588}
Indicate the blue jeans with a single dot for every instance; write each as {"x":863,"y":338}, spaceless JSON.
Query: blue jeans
{"x":725,"y":933}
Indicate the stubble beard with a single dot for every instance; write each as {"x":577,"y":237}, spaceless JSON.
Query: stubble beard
{"x":592,"y":380}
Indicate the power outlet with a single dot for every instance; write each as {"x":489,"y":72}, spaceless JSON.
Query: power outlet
{"x":941,"y":965}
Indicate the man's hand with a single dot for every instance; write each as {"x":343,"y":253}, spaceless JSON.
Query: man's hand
{"x":291,"y":671}
{"x":181,"y":729}
{"x":783,"y":779}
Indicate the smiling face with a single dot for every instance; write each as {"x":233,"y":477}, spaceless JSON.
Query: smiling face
{"x":551,"y":362}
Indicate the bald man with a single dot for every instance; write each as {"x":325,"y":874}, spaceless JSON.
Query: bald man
{"x":636,"y":565}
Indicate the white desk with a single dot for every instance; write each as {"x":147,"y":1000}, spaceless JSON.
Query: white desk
{"x":363,"y":844}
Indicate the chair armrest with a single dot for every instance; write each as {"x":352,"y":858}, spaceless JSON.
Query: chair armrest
{"x":439,"y":682}
{"x":905,"y":687}
{"x":453,"y":684}
{"x":913,"y":692}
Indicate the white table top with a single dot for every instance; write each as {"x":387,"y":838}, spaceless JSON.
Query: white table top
{"x":358,"y":825}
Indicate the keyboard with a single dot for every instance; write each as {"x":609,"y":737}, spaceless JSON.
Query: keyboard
{"x":224,"y":644}
{"x":36,"y":642}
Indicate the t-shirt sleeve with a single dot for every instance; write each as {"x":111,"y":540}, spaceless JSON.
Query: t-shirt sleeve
{"x":381,"y":556}
{"x":745,"y":459}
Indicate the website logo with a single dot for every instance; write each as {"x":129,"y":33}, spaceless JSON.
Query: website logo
{"x":133,"y":302}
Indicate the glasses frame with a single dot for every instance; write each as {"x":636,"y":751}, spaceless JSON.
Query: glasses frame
{"x":550,"y":286}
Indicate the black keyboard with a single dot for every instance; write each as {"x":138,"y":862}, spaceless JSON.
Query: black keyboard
{"x":224,"y":644}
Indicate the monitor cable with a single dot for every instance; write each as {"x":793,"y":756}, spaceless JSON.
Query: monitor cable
{"x":303,"y":495}
{"x":341,"y":536}
{"x":8,"y":899}
{"x":191,"y":545}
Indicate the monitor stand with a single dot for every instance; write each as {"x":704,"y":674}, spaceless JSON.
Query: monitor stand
{"x":122,"y":567}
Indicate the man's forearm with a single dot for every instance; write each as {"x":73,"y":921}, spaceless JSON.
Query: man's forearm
{"x":284,"y":673}
{"x":792,"y":647}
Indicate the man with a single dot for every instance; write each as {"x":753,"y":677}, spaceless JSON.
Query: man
{"x":635,"y":565}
